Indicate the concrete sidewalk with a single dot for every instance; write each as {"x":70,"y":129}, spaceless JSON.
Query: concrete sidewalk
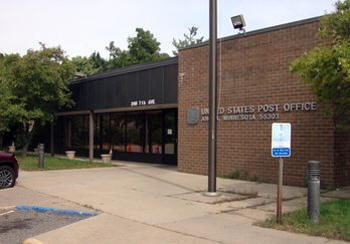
{"x":221,"y":228}
{"x":155,"y":204}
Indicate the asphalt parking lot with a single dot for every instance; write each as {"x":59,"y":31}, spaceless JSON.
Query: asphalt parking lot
{"x":16,"y":225}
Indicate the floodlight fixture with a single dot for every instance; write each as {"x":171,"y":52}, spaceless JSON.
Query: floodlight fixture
{"x":238,"y":22}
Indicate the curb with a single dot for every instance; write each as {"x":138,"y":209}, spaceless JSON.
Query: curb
{"x":7,"y":207}
{"x":56,"y":211}
{"x":32,"y":241}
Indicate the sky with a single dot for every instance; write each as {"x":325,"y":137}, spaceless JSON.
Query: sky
{"x":81,"y":27}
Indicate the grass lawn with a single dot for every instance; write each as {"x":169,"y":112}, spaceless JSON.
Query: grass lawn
{"x":334,"y":221}
{"x":30,"y":163}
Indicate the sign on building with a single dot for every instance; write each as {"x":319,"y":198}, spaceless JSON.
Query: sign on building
{"x":281,"y":140}
{"x":192,"y":116}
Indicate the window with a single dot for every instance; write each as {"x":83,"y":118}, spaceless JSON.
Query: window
{"x":77,"y":133}
{"x":154,"y":132}
{"x":118,"y":132}
{"x":135,"y":133}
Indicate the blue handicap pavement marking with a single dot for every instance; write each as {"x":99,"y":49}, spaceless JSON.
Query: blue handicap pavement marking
{"x":281,"y":152}
{"x":56,"y":211}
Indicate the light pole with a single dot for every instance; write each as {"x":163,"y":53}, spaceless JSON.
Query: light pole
{"x":238,"y":23}
{"x":212,"y":100}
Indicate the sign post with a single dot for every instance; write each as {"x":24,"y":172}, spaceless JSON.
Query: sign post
{"x":279,"y":191}
{"x":280,"y":148}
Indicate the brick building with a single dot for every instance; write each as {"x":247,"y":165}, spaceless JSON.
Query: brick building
{"x":145,"y":112}
{"x":255,"y":89}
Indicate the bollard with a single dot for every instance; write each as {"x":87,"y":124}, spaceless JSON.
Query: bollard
{"x":41,"y":153}
{"x":313,"y":196}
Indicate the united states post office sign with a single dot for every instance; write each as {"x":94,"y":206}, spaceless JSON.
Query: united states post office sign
{"x":258,"y":112}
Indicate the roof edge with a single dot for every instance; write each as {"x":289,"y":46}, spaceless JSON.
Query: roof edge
{"x":127,"y":69}
{"x":259,"y":31}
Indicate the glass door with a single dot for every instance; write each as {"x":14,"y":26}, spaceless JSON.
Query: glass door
{"x":170,"y":136}
{"x":154,"y":133}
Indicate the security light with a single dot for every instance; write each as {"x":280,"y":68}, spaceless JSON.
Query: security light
{"x":238,"y":22}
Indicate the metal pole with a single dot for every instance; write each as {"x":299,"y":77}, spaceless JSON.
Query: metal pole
{"x":41,"y":152}
{"x":279,"y":192}
{"x":313,"y":196}
{"x":212,"y":99}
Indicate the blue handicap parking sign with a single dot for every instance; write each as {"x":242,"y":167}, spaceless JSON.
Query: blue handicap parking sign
{"x":281,"y":152}
{"x":281,"y":140}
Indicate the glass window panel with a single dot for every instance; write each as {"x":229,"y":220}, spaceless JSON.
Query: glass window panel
{"x":68,"y":133}
{"x":154,"y":122}
{"x":147,"y":147}
{"x":97,"y":132}
{"x":78,"y":133}
{"x":170,"y":137}
{"x":60,"y":135}
{"x":117,"y":132}
{"x":135,"y":133}
{"x":105,"y":138}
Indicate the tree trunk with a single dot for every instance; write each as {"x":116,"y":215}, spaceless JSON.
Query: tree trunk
{"x":25,"y":149}
{"x":28,"y":138}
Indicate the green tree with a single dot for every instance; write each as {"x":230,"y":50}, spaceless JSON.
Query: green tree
{"x":189,"y":40}
{"x":327,"y":67}
{"x":90,"y":65}
{"x":37,"y":87}
{"x":144,"y":47}
{"x":114,"y":52}
{"x":9,"y":110}
{"x":117,"y":57}
{"x":84,"y":66}
{"x":98,"y":62}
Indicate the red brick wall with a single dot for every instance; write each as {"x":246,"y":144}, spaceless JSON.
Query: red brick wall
{"x":342,"y":158}
{"x":254,"y":70}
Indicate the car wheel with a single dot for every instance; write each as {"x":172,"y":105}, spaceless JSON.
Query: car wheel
{"x":7,"y":177}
